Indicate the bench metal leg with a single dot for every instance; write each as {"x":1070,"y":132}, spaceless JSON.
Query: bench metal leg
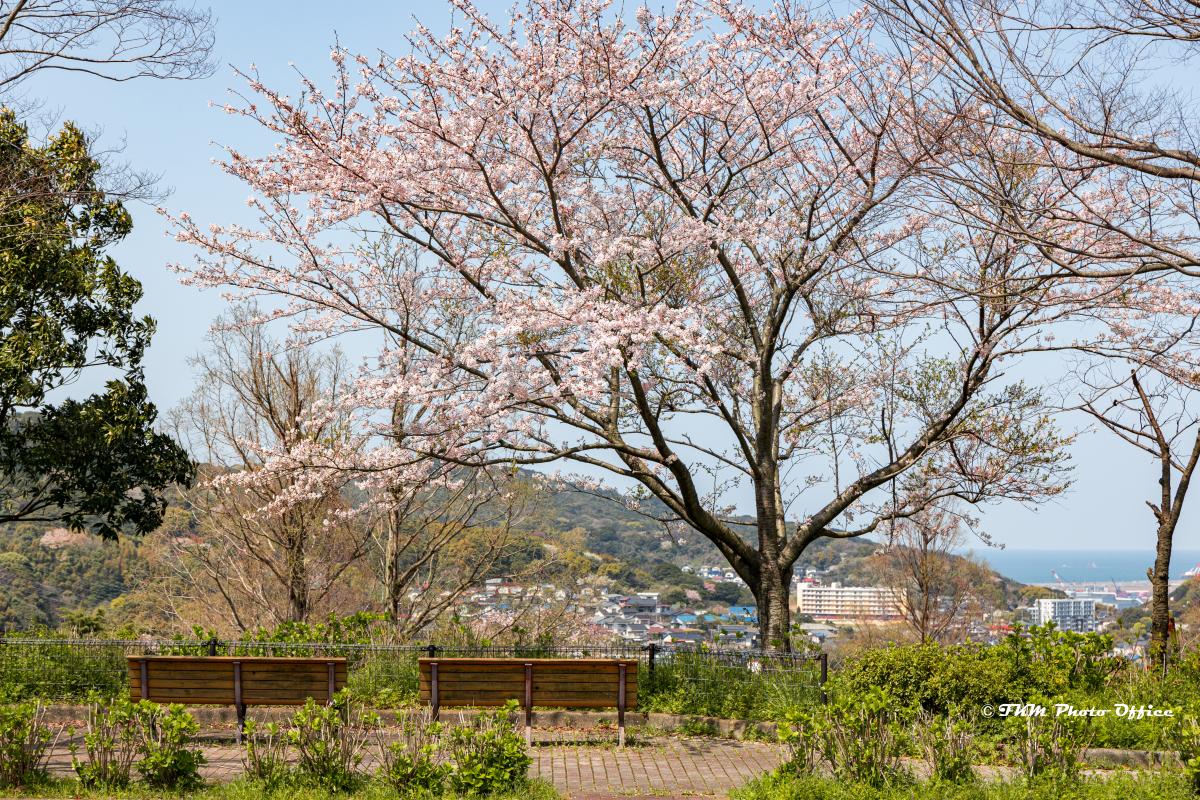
{"x":237,"y":701}
{"x":529,"y":705}
{"x":621,"y":705}
{"x":433,"y":690}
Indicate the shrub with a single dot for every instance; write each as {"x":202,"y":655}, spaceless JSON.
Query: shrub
{"x":329,"y":746}
{"x":164,"y":734}
{"x":1049,"y":746}
{"x":860,"y":737}
{"x":1186,"y":735}
{"x":1039,"y":661}
{"x":948,"y":744}
{"x":410,"y":764}
{"x":25,"y":743}
{"x":265,"y":759}
{"x":110,"y":744}
{"x":488,"y":755}
{"x":1143,"y":786}
{"x":700,"y":683}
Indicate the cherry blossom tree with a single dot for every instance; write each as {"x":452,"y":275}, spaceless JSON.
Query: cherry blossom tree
{"x":703,"y":253}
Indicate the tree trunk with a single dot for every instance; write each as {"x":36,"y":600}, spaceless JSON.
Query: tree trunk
{"x":297,"y":580}
{"x":1160,"y":598}
{"x":774,"y":613}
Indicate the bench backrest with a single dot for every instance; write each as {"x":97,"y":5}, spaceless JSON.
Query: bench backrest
{"x":554,"y":682}
{"x":235,"y":680}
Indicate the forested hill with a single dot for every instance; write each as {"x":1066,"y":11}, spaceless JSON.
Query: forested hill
{"x":47,"y":574}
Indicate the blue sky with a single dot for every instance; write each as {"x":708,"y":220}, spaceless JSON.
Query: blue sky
{"x":168,"y":128}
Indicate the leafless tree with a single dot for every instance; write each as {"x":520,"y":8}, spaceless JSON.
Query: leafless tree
{"x":263,"y":568}
{"x":935,"y":587}
{"x":116,"y":40}
{"x":1158,"y":415}
{"x":434,"y":543}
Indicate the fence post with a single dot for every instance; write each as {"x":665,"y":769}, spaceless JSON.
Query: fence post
{"x":432,"y":650}
{"x":824,"y":676}
{"x":651,"y":649}
{"x":212,"y":646}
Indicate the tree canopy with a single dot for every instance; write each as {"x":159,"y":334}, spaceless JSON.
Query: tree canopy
{"x":66,"y":307}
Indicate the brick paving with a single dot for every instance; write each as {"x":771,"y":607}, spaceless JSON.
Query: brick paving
{"x":591,"y":769}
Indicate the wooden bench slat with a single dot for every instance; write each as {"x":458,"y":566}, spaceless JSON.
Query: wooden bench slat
{"x":581,"y":704}
{"x":246,"y":660}
{"x":474,"y":665}
{"x":247,"y":686}
{"x":539,"y":698}
{"x":538,"y":687}
{"x":227,"y":669}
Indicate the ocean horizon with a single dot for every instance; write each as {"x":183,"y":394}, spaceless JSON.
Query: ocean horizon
{"x":1075,"y":566}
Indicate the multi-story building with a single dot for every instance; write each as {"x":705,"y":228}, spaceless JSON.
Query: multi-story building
{"x":1067,"y":615}
{"x":846,"y":602}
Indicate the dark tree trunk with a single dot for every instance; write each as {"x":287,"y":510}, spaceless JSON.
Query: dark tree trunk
{"x":1160,"y":597}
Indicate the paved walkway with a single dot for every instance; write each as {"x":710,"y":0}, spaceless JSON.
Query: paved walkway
{"x":659,"y":768}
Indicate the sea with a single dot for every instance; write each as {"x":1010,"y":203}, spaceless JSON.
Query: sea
{"x":1081,"y":566}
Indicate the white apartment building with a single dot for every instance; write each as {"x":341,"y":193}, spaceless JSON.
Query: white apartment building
{"x":846,"y":602}
{"x":1067,"y":615}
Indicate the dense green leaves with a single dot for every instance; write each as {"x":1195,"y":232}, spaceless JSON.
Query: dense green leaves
{"x":66,"y":307}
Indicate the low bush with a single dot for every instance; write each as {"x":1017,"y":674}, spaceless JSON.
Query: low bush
{"x":1144,"y":786}
{"x":1046,"y":662}
{"x":860,"y":737}
{"x":166,"y":760}
{"x":700,"y":684}
{"x":487,"y":754}
{"x":411,"y":764}
{"x":1050,"y":746}
{"x":265,"y":759}
{"x":25,"y":743}
{"x":330,"y":742}
{"x":948,"y":744}
{"x":110,"y":745}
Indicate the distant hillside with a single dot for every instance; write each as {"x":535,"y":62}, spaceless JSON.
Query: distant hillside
{"x":611,"y":529}
{"x":47,"y":573}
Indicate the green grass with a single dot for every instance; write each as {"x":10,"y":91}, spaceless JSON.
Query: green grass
{"x":250,"y":790}
{"x":1126,"y":786}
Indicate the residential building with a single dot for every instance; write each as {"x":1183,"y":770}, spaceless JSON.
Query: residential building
{"x":846,"y":602}
{"x":1072,"y":614}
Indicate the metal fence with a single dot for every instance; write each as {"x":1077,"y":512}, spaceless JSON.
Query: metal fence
{"x":696,"y":680}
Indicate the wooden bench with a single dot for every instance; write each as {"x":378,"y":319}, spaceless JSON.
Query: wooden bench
{"x":239,"y":681}
{"x":553,"y":682}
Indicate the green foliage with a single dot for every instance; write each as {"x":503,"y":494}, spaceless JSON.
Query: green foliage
{"x":861,"y":737}
{"x":165,"y":733}
{"x":1049,"y":747}
{"x":411,"y":765}
{"x":696,"y":683}
{"x":938,"y":678}
{"x":66,"y":306}
{"x":362,"y":627}
{"x":1186,"y":738}
{"x":110,"y":745}
{"x":265,"y":759}
{"x":784,"y":785}
{"x":25,"y":743}
{"x":948,"y":744}
{"x":248,"y":789}
{"x":60,"y":671}
{"x":488,"y":755}
{"x":329,"y":745}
